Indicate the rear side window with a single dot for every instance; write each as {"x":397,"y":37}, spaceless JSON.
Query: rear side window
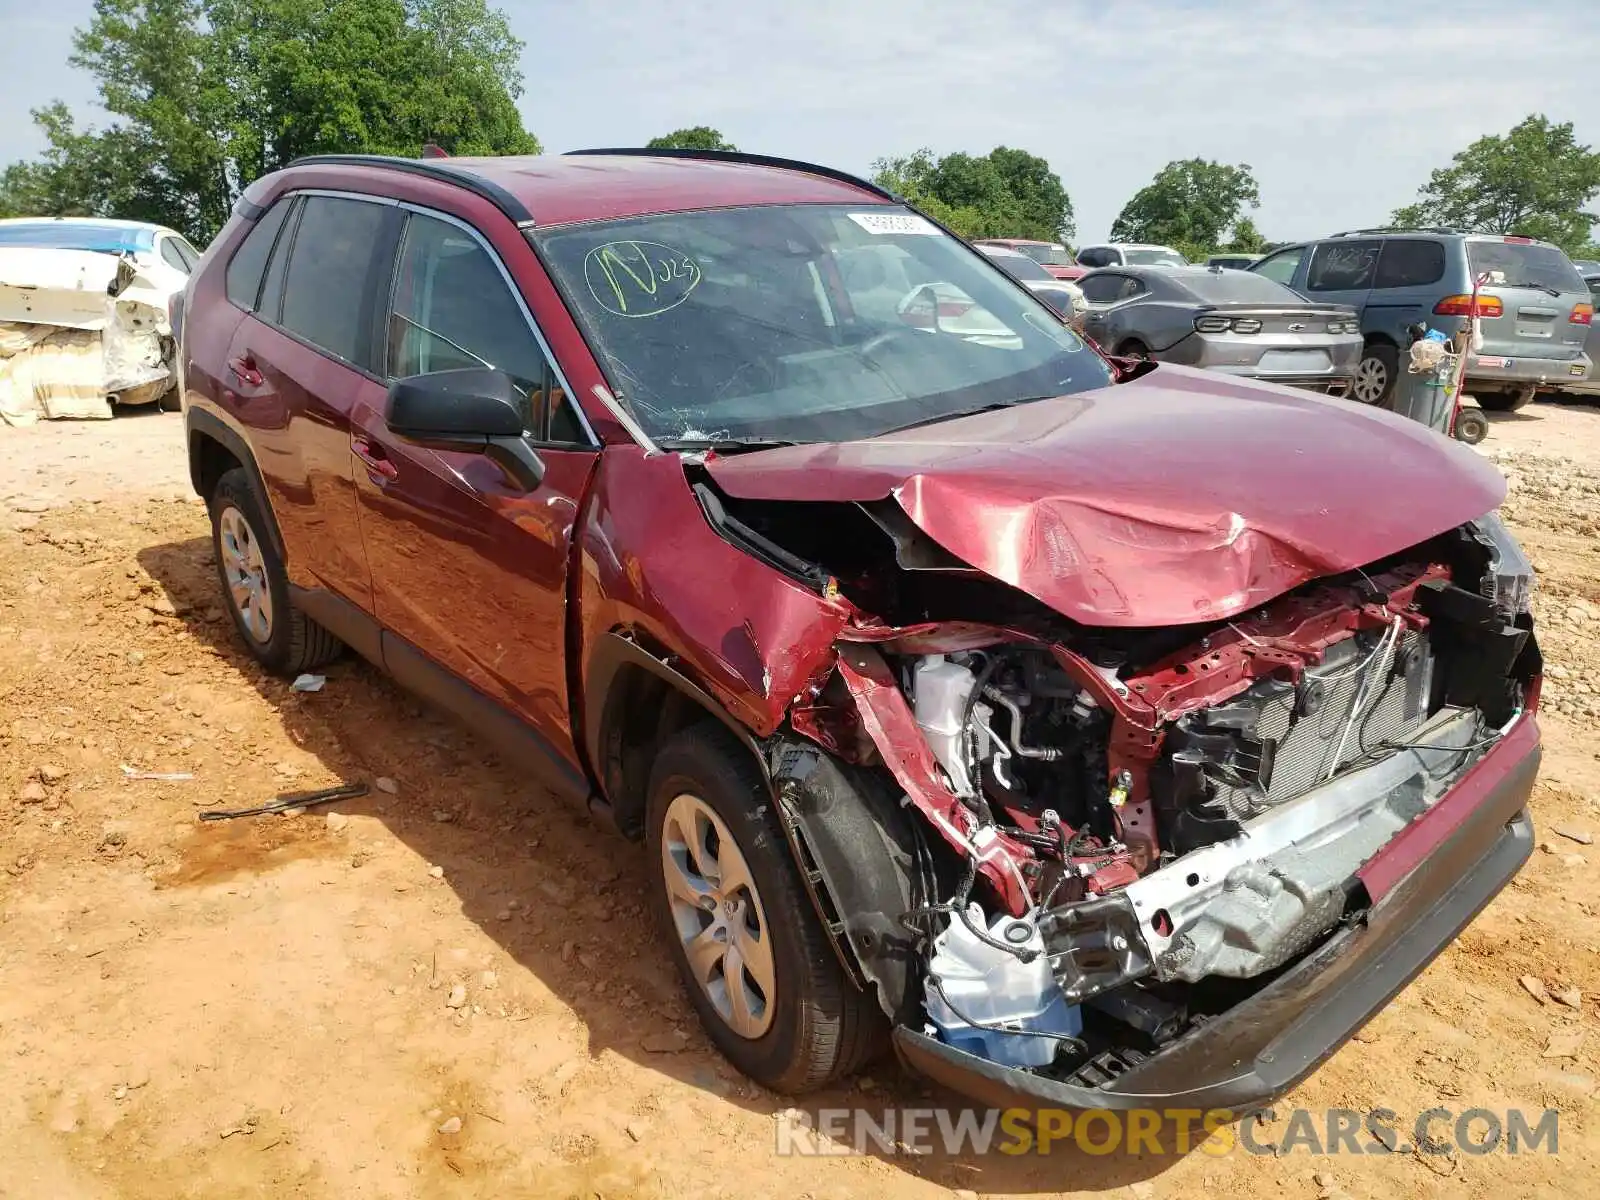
{"x":452,"y":308}
{"x":1409,"y":262}
{"x":1525,"y":265}
{"x":329,"y":269}
{"x":249,"y":261}
{"x":1342,"y":266}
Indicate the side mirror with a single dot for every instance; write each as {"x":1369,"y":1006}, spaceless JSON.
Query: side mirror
{"x":477,"y":410}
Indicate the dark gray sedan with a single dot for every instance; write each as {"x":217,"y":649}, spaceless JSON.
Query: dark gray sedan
{"x":1230,"y":321}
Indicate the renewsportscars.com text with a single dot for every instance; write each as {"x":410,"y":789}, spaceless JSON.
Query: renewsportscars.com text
{"x":1472,"y":1131}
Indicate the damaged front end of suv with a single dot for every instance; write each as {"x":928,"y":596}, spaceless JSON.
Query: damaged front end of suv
{"x":1089,"y":859}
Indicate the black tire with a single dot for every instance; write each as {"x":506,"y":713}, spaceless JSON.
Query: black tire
{"x":294,"y":643}
{"x":1471,"y":426}
{"x":1133,"y":348}
{"x":1505,"y":401}
{"x":1376,"y":357}
{"x":822,"y":1027}
{"x":170,"y":400}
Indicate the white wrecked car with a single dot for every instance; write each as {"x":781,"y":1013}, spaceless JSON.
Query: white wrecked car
{"x":84,"y":315}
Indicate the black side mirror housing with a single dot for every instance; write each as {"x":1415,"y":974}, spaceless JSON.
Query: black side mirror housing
{"x":476,"y":409}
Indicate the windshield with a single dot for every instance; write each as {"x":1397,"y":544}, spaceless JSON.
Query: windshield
{"x":805,"y":323}
{"x":1235,"y":287}
{"x":1055,"y":253}
{"x":1154,"y":258}
{"x":1020,"y":266}
{"x":1525,"y":264}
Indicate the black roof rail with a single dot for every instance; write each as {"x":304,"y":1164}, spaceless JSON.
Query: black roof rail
{"x":1395,"y":229}
{"x":754,"y":160}
{"x":446,"y":170}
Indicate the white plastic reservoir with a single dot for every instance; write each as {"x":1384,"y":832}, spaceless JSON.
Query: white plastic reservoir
{"x":994,"y":987}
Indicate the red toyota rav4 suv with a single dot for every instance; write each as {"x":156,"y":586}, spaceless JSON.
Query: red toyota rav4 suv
{"x":1092,"y":735}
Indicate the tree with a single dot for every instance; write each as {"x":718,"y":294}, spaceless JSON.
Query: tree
{"x":1005,"y":193}
{"x":1533,"y":181}
{"x":1189,"y":205}
{"x":1046,"y":207}
{"x":208,"y":95}
{"x":1246,"y":238}
{"x":698,"y":137}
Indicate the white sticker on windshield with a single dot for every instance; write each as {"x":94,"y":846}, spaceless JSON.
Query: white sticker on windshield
{"x":895,"y":222}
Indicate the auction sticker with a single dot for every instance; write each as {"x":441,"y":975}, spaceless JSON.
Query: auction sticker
{"x":895,"y":223}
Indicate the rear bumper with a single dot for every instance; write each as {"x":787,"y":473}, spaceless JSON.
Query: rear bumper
{"x":1428,"y":883}
{"x":1520,"y":372}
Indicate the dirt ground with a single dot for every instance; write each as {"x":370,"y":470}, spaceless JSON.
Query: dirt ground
{"x":448,"y":988}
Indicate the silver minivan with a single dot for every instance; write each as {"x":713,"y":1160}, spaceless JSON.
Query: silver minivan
{"x":1534,"y":310}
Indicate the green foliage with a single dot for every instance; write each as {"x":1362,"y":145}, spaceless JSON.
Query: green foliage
{"x":698,"y":137}
{"x":1246,"y":238}
{"x":1006,"y":193}
{"x":209,"y":95}
{"x":1189,"y":206}
{"x":1534,"y":180}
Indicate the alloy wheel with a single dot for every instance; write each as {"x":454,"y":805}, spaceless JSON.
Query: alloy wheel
{"x":1371,"y":380}
{"x":718,"y":916}
{"x":246,"y":574}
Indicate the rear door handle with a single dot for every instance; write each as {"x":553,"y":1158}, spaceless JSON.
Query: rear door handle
{"x":377,"y":463}
{"x":245,"y":371}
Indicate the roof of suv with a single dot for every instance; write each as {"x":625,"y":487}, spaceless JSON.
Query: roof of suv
{"x":604,"y":185}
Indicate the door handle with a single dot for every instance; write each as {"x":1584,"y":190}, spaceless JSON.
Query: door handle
{"x":379,"y":465}
{"x":245,"y":371}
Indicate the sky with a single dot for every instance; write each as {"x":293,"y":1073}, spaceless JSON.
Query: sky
{"x":1341,"y":109}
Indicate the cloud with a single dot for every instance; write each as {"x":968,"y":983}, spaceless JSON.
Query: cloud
{"x":1341,"y":109}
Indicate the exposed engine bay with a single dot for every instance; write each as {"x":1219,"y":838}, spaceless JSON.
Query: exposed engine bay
{"x":1125,"y":831}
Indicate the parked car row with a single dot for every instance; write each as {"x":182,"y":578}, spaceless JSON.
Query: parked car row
{"x":1534,"y":312}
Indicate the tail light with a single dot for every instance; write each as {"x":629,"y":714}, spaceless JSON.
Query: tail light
{"x":1461,"y":306}
{"x":1582,"y":314}
{"x":1223,"y":324}
{"x":1344,"y":326}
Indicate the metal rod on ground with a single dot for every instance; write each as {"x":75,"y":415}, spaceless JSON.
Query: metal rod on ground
{"x":346,"y":791}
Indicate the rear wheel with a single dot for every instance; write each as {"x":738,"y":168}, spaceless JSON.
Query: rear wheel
{"x":1506,"y":401}
{"x":757,"y":966}
{"x":256,"y":587}
{"x":1376,"y":373}
{"x":1134,"y":349}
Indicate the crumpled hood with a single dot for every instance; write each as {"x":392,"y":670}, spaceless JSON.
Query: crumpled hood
{"x":1182,"y":496}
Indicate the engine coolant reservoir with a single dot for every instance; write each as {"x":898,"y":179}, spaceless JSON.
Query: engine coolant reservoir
{"x":994,"y":987}
{"x":940,"y":690}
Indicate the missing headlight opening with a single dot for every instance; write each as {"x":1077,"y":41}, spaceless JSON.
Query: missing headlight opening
{"x":1107,"y":837}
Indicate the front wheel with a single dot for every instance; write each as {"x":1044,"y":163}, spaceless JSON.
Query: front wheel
{"x":758,"y":967}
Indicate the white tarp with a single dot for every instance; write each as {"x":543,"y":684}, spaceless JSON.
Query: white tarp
{"x":77,"y":327}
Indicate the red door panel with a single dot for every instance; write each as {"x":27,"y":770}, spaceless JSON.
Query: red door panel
{"x":297,"y":405}
{"x":471,"y":570}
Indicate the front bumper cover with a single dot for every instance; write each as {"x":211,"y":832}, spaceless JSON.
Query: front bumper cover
{"x":1474,"y":840}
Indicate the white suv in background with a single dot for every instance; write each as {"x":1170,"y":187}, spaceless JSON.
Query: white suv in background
{"x":1130,"y":254}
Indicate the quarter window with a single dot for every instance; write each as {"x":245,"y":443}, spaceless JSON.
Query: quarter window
{"x":1280,"y":268}
{"x":249,"y":261}
{"x":329,"y":269}
{"x":172,"y":256}
{"x":452,"y":309}
{"x":1342,"y":266}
